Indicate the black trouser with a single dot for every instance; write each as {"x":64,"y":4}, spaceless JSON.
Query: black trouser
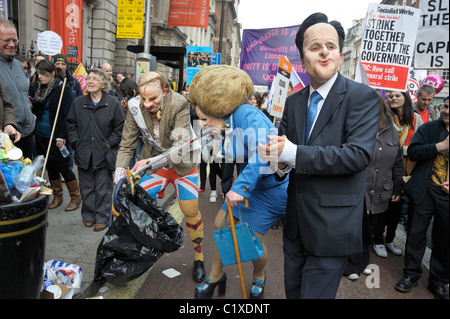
{"x":228,"y":173}
{"x":214,"y":170}
{"x":430,"y":206}
{"x":56,"y":163}
{"x":26,"y":144}
{"x":96,"y":188}
{"x":389,"y":220}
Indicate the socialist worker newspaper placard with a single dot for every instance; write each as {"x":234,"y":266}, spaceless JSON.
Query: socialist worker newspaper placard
{"x":387,"y":46}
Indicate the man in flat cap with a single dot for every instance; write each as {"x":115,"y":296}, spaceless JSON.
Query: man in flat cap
{"x":326,"y":139}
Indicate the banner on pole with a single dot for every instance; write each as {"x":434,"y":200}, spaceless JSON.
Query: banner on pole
{"x":130,"y":19}
{"x":432,"y":46}
{"x":387,"y":45}
{"x":66,"y":20}
{"x":261,"y":50}
{"x":189,"y":13}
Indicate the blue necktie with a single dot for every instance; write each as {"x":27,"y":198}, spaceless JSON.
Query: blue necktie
{"x":311,"y":113}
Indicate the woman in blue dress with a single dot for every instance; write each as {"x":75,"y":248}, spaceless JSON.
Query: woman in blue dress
{"x":219,"y":95}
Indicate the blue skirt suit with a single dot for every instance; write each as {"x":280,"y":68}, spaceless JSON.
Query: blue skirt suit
{"x":246,"y":127}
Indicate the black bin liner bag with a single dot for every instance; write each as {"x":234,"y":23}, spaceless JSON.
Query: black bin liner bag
{"x":142,"y":233}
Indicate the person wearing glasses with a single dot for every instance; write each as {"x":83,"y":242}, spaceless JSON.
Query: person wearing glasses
{"x":15,"y":85}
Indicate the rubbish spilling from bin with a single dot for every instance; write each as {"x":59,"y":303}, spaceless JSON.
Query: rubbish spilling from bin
{"x":20,"y":179}
{"x":61,"y":280}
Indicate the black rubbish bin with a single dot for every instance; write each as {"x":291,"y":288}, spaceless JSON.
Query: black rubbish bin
{"x":23,"y":229}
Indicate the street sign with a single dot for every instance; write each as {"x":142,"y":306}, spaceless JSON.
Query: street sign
{"x":130,"y":19}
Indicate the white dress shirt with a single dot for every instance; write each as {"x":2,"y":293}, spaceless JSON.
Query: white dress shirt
{"x":289,"y":153}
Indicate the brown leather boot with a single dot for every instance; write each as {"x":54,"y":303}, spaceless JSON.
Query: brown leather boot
{"x":75,"y":198}
{"x":56,"y":186}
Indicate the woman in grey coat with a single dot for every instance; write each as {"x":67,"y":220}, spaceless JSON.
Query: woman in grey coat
{"x":384,"y":184}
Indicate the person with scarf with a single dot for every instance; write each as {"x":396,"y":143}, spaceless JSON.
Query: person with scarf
{"x":45,"y":107}
{"x":406,"y":122}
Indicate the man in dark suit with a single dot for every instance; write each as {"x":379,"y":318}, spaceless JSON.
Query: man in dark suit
{"x":327,"y":176}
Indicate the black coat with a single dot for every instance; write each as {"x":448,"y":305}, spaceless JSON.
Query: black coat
{"x":83,"y":136}
{"x":53,"y":100}
{"x":422,"y":149}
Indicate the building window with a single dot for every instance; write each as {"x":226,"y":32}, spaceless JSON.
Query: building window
{"x":13,"y":12}
{"x":404,"y":2}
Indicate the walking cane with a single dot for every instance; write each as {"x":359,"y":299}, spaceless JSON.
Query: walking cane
{"x":53,"y":129}
{"x":236,"y":248}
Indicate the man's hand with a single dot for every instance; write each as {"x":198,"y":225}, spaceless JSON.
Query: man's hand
{"x":271,"y":151}
{"x":139,"y":164}
{"x":60,"y":142}
{"x":444,"y":185}
{"x":442,"y":146}
{"x":10,"y":130}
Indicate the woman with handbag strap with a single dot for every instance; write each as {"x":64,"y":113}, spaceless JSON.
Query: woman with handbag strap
{"x":94,"y":119}
{"x":45,"y":107}
{"x":220,"y":95}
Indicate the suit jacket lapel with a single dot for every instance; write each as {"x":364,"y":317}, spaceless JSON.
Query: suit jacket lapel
{"x":331,"y":104}
{"x":300,"y":116}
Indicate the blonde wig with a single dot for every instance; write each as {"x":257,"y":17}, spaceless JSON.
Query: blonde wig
{"x":219,"y":90}
{"x":151,"y":77}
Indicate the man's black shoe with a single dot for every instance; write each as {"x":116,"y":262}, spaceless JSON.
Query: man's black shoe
{"x":439,"y":292}
{"x":198,"y":271}
{"x":406,"y":284}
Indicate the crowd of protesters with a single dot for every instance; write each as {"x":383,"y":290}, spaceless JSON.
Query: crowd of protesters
{"x":407,"y":164}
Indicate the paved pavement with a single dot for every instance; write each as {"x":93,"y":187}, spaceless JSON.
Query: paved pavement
{"x":379,"y":286}
{"x":68,"y":240}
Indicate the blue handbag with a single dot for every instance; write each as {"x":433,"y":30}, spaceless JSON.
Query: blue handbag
{"x":250,"y":247}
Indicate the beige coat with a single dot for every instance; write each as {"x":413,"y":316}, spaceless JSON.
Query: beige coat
{"x":7,"y":115}
{"x":175,"y":118}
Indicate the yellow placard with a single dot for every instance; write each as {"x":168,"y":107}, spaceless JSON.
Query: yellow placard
{"x":130,"y":19}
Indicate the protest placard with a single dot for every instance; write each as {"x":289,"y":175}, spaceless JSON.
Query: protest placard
{"x":432,"y":37}
{"x":281,"y":85}
{"x":387,"y":45}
